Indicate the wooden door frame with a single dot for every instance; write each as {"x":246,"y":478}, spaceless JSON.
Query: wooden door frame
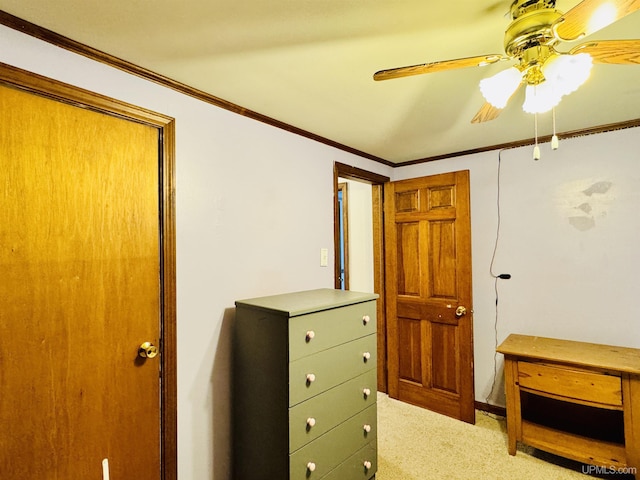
{"x":343,"y":247}
{"x":341,"y":170}
{"x":30,"y":82}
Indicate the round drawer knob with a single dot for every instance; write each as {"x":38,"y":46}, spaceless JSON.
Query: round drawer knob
{"x":367,"y":465}
{"x":311,"y":422}
{"x":367,"y":428}
{"x":310,"y":335}
{"x":366,"y":392}
{"x":311,"y":467}
{"x":311,"y":378}
{"x":366,"y":319}
{"x":366,"y":356}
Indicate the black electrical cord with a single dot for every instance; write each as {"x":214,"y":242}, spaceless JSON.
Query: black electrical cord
{"x":495,"y":245}
{"x":502,"y":276}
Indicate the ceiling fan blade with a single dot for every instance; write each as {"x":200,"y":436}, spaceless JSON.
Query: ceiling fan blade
{"x":438,"y":66}
{"x":590,"y":16}
{"x":620,"y":52}
{"x":486,"y":113}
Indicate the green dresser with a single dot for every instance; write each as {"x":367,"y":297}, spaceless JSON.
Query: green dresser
{"x":304,"y":387}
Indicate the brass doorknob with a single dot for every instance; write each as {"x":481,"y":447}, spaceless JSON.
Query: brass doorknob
{"x":148,"y":350}
{"x":460,"y":311}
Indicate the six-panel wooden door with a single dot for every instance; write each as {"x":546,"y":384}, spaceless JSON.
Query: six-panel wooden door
{"x":428,"y":293}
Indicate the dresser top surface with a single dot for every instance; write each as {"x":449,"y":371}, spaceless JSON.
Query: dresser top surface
{"x":309,"y":301}
{"x":623,"y":359}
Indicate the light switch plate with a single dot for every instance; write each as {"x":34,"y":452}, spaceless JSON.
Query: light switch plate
{"x":324,"y":257}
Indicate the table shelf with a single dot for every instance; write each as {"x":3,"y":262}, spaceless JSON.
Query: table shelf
{"x":576,"y":447}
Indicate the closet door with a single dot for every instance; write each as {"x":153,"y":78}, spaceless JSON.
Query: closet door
{"x":80,"y":292}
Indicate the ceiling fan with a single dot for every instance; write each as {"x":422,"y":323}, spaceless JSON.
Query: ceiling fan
{"x":531,"y":39}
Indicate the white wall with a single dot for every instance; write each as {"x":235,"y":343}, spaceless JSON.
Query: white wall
{"x":569,"y":236}
{"x":254,"y":207}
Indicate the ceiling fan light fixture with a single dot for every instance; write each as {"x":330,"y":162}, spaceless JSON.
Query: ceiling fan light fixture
{"x":498,"y":89}
{"x":563,"y":74}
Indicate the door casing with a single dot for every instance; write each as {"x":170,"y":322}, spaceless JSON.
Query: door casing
{"x":340,"y":170}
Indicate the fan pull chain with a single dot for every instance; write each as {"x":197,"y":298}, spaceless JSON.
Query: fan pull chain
{"x":536,"y":148}
{"x":554,"y":140}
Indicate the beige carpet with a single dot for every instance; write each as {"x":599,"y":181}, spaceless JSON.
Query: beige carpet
{"x":417,"y":444}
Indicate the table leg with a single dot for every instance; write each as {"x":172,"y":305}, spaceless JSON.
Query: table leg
{"x":631,"y":405}
{"x":513,"y":402}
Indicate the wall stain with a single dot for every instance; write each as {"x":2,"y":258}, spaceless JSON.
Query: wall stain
{"x":598,"y":187}
{"x":590,"y":208}
{"x":582,"y":223}
{"x":585,"y":207}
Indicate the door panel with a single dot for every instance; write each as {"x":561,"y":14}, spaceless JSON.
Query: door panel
{"x":444,"y":347}
{"x":442,"y":257}
{"x":410,"y":338}
{"x":80,"y":256}
{"x":428,"y":260}
{"x":409,"y":284}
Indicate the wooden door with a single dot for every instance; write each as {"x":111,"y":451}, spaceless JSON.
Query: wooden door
{"x":428,"y":262}
{"x":80,"y":291}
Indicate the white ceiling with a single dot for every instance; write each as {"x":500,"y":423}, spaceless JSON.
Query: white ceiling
{"x":309,"y":64}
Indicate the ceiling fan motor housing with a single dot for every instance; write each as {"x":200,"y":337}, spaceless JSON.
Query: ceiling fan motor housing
{"x":529,"y":37}
{"x":520,"y":7}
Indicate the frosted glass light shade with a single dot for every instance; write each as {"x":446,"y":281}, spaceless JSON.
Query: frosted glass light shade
{"x":498,"y":89}
{"x":568,"y":72}
{"x":540,"y":98}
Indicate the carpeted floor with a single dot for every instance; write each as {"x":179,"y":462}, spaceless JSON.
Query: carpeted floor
{"x":417,"y":444}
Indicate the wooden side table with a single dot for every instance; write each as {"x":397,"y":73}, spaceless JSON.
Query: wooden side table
{"x":574,"y":399}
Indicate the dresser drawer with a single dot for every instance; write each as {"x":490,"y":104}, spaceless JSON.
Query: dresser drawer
{"x":312,"y":375}
{"x":312,"y":333}
{"x":361,"y":466}
{"x":319,"y":457}
{"x":311,"y":419}
{"x":571,"y":383}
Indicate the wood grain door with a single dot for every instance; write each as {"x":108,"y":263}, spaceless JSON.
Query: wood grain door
{"x":429,"y":305}
{"x":80,"y":291}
